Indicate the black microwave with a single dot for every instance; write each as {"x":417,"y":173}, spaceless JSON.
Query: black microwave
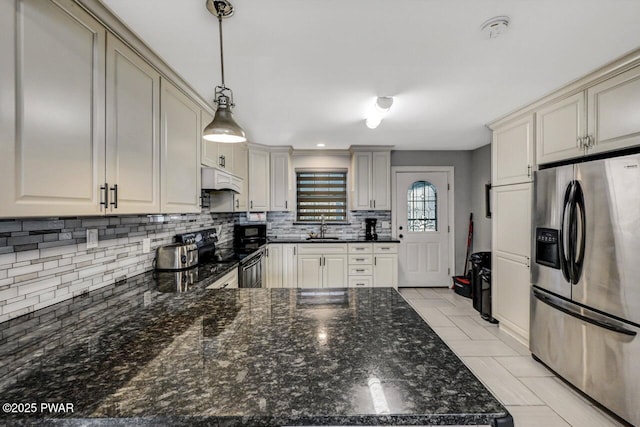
{"x":247,"y":234}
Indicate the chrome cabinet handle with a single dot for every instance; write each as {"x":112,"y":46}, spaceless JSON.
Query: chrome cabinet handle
{"x":374,"y":204}
{"x":237,"y":203}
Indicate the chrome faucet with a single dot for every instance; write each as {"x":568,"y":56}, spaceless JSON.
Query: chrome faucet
{"x":323,"y":227}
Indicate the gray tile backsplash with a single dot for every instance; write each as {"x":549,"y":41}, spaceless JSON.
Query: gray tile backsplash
{"x":283,"y":226}
{"x":45,"y":261}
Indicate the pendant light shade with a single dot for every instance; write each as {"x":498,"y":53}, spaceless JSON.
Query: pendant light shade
{"x":223,"y":128}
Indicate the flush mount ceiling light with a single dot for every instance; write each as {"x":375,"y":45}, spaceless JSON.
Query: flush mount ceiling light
{"x":222,"y":128}
{"x":320,"y":144}
{"x":495,"y":26}
{"x":378,"y":111}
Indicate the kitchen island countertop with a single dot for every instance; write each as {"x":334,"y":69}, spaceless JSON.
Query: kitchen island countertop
{"x":128,"y":354}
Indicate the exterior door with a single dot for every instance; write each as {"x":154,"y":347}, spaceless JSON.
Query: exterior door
{"x":423,"y":228}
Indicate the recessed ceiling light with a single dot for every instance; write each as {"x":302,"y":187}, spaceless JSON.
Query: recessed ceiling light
{"x":495,"y":26}
{"x":320,"y":145}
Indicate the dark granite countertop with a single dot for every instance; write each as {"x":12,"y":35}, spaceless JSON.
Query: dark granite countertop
{"x":129,"y":354}
{"x":276,"y":240}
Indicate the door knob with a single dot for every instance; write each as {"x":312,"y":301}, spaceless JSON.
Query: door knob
{"x":400,"y":227}
{"x":400,"y":236}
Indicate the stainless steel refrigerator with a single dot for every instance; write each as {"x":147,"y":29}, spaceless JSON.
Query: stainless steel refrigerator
{"x":585,"y":301}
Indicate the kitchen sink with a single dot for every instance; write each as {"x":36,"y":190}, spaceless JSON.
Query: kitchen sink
{"x":320,"y":239}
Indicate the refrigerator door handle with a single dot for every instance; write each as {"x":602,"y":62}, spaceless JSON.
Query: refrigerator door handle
{"x":567,"y":309}
{"x":564,"y":247}
{"x":580,"y":232}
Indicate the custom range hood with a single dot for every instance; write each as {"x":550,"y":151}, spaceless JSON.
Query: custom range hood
{"x":216,"y":179}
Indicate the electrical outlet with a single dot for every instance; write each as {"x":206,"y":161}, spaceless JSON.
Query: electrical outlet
{"x":92,"y":238}
{"x":146,"y":246}
{"x":364,"y":225}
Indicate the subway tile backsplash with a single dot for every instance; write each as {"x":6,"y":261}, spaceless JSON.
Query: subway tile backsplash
{"x":45,"y":261}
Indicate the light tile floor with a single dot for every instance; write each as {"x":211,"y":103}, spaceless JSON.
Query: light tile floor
{"x":534,"y":395}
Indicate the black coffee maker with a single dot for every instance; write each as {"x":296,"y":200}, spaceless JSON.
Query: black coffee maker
{"x":370,"y":233}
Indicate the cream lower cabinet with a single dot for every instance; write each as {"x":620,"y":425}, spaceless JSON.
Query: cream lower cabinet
{"x":373,"y":265}
{"x":180,"y":138}
{"x":510,"y":274}
{"x":52,"y":134}
{"x":282,"y":265}
{"x":322,"y":266}
{"x":385,"y":265}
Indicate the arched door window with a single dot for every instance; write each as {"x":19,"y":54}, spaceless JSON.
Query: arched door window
{"x":422,"y":209}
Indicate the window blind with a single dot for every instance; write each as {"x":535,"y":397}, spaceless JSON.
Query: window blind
{"x":322,"y":193}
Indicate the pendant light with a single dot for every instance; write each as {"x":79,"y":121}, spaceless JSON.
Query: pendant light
{"x":222,"y":128}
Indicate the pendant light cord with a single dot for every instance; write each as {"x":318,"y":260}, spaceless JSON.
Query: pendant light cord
{"x":221,"y":51}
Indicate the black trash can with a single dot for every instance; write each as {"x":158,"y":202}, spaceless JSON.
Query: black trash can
{"x":479,"y":260}
{"x":485,"y":295}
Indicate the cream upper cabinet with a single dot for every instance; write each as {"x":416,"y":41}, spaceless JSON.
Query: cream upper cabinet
{"x":512,"y":152}
{"x":281,"y":181}
{"x":560,"y":129}
{"x":613,"y":109}
{"x":180,"y":138}
{"x":52,"y":134}
{"x":240,"y":166}
{"x":371,"y":180}
{"x":225,"y":157}
{"x":132,"y":132}
{"x":258,"y":180}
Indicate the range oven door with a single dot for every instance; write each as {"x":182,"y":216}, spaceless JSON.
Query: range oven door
{"x":250,"y":274}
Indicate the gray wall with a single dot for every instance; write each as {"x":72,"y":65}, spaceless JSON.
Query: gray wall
{"x":480,"y":175}
{"x":461,"y":162}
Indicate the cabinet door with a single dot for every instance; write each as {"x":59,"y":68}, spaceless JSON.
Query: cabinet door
{"x":133,"y":116}
{"x":289,"y":266}
{"x":335,"y":271}
{"x":209,"y":149}
{"x":613,"y":107}
{"x":385,"y":270}
{"x":280,"y":183}
{"x":180,"y":139}
{"x":274,"y":266}
{"x":258,"y":180}
{"x":510,"y":287}
{"x":512,"y":220}
{"x":225,"y":156}
{"x":512,"y":152}
{"x":51,"y":110}
{"x":381,"y":180}
{"x":309,"y":271}
{"x":559,"y":129}
{"x":361,"y":185}
{"x":240,"y":165}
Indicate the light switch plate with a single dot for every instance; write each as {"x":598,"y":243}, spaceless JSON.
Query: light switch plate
{"x":92,"y":238}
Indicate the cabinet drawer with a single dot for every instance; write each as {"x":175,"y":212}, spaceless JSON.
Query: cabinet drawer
{"x":385,"y":248}
{"x":364,"y":259}
{"x":360,"y":270}
{"x":360,"y":282}
{"x":230,"y":280}
{"x":322,"y":248}
{"x":360,"y":248}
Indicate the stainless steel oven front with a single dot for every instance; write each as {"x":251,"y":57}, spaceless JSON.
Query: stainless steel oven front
{"x":250,"y":270}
